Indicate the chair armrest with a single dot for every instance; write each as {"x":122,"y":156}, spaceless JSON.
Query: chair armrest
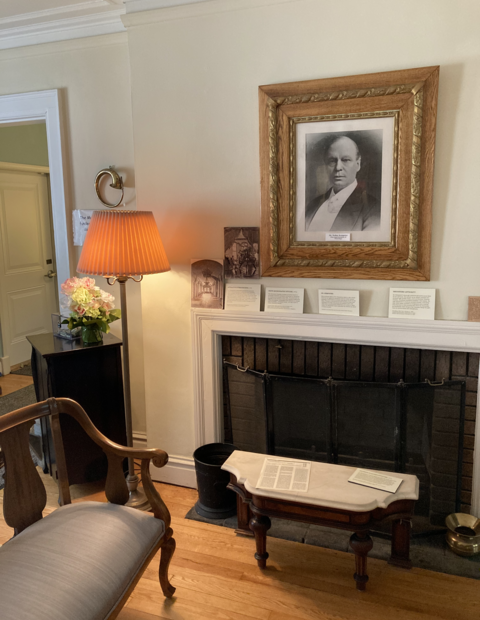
{"x":115,"y":485}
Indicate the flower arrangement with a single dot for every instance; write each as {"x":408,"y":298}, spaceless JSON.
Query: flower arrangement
{"x":88,"y":304}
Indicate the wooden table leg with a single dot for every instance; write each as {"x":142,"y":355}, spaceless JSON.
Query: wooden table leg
{"x":260,"y":524}
{"x":244,"y":514}
{"x":361,"y":543}
{"x":400,"y":555}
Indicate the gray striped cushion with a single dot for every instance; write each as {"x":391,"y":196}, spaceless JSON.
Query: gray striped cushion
{"x":76,"y":563}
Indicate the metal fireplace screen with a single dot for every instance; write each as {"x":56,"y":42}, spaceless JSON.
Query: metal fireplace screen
{"x":414,"y":428}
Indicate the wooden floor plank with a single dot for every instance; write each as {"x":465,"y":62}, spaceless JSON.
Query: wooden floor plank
{"x":128,"y":613}
{"x":11,"y":383}
{"x":147,"y":597}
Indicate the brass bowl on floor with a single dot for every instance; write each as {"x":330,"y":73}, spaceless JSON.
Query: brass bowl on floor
{"x":463,"y":534}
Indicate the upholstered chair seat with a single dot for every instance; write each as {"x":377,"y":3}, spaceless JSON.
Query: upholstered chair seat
{"x":82,"y":557}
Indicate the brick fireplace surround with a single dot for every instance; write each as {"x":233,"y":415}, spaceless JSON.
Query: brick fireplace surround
{"x":401,"y":342}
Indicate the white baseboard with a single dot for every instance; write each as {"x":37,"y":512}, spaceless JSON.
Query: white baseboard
{"x":139,"y":439}
{"x":5,"y":365}
{"x":179,"y":470}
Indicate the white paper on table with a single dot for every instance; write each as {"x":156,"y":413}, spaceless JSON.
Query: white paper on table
{"x":375,"y":480}
{"x":284,"y":475}
{"x":345,"y":303}
{"x":411,"y":303}
{"x":284,"y":300}
{"x":243,"y":297}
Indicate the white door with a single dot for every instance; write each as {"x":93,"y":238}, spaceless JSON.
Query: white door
{"x":27,"y":294}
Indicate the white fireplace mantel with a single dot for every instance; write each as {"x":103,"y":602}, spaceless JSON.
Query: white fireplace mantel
{"x":209,"y":325}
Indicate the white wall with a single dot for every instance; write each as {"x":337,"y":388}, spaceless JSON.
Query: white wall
{"x":94,"y":80}
{"x":195,"y":72}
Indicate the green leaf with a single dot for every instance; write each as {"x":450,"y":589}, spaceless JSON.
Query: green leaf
{"x":116,"y":314}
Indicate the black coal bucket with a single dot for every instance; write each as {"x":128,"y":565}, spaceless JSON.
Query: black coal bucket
{"x":215,"y":501}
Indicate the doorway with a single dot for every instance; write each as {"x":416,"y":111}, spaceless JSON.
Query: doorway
{"x":28,"y":283}
{"x":45,"y":241}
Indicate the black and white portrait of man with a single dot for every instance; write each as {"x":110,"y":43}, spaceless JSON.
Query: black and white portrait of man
{"x":345,"y":183}
{"x":346,"y":205}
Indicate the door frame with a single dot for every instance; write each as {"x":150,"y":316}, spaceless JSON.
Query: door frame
{"x":45,"y":106}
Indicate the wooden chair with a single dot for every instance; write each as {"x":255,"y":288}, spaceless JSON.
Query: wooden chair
{"x":83,"y":560}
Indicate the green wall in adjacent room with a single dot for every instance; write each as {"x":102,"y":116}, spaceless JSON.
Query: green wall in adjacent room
{"x":24,"y":144}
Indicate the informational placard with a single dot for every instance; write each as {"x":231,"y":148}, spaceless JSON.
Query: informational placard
{"x":337,"y":236}
{"x":284,"y":475}
{"x":243,"y":297}
{"x":284,"y":300}
{"x":346,"y":303}
{"x":81,"y":222}
{"x":375,"y":480}
{"x":411,"y":303}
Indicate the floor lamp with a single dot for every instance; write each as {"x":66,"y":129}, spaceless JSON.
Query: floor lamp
{"x":122,"y":245}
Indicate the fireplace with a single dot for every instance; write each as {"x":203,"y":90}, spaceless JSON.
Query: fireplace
{"x":372,"y":422}
{"x":362,"y":348}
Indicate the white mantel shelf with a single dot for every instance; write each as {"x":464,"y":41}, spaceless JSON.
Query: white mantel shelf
{"x":209,"y":325}
{"x":380,"y":331}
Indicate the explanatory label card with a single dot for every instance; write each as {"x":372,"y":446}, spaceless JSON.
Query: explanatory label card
{"x":411,"y":303}
{"x":284,"y":299}
{"x":243,"y":297}
{"x":375,"y":480}
{"x":346,"y":303}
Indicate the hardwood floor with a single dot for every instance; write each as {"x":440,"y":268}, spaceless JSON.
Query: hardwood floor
{"x":11,"y":383}
{"x":217,"y":578}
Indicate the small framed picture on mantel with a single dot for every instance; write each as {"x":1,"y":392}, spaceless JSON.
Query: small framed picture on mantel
{"x":347,"y":175}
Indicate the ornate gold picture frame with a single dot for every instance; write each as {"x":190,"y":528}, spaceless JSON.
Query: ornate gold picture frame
{"x":347,"y":175}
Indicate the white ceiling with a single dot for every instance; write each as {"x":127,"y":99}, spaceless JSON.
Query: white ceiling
{"x":29,"y":22}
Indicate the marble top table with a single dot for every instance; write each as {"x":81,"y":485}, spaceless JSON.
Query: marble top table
{"x":330,"y":501}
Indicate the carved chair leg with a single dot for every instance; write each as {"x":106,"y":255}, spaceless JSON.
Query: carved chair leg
{"x":167,"y":550}
{"x":260,"y":524}
{"x":361,"y":543}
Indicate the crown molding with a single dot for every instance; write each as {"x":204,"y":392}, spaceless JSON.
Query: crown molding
{"x":145,"y":12}
{"x":91,"y":25}
{"x":89,"y":6}
{"x":67,"y":45}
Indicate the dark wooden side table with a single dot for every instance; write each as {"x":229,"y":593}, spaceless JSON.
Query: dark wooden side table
{"x":93,"y":377}
{"x":330,"y":501}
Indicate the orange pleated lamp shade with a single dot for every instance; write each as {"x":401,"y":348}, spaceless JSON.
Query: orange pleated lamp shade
{"x":122,"y":243}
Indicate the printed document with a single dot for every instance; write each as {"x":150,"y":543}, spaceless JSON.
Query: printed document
{"x":375,"y":480}
{"x":284,"y":475}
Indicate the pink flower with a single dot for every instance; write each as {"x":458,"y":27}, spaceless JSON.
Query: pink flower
{"x":88,"y":283}
{"x":70,"y":285}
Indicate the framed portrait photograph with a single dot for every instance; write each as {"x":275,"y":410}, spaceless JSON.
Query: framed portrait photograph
{"x":347,"y":176}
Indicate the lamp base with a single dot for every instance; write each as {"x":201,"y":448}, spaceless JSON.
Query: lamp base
{"x":137,"y":498}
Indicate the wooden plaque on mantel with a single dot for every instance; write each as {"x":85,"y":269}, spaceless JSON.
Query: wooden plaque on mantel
{"x":474,"y":309}
{"x":347,"y":176}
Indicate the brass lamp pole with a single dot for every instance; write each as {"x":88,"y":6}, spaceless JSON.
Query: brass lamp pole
{"x":123,"y":245}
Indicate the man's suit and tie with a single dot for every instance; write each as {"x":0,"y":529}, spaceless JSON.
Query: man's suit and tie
{"x":360,"y":211}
